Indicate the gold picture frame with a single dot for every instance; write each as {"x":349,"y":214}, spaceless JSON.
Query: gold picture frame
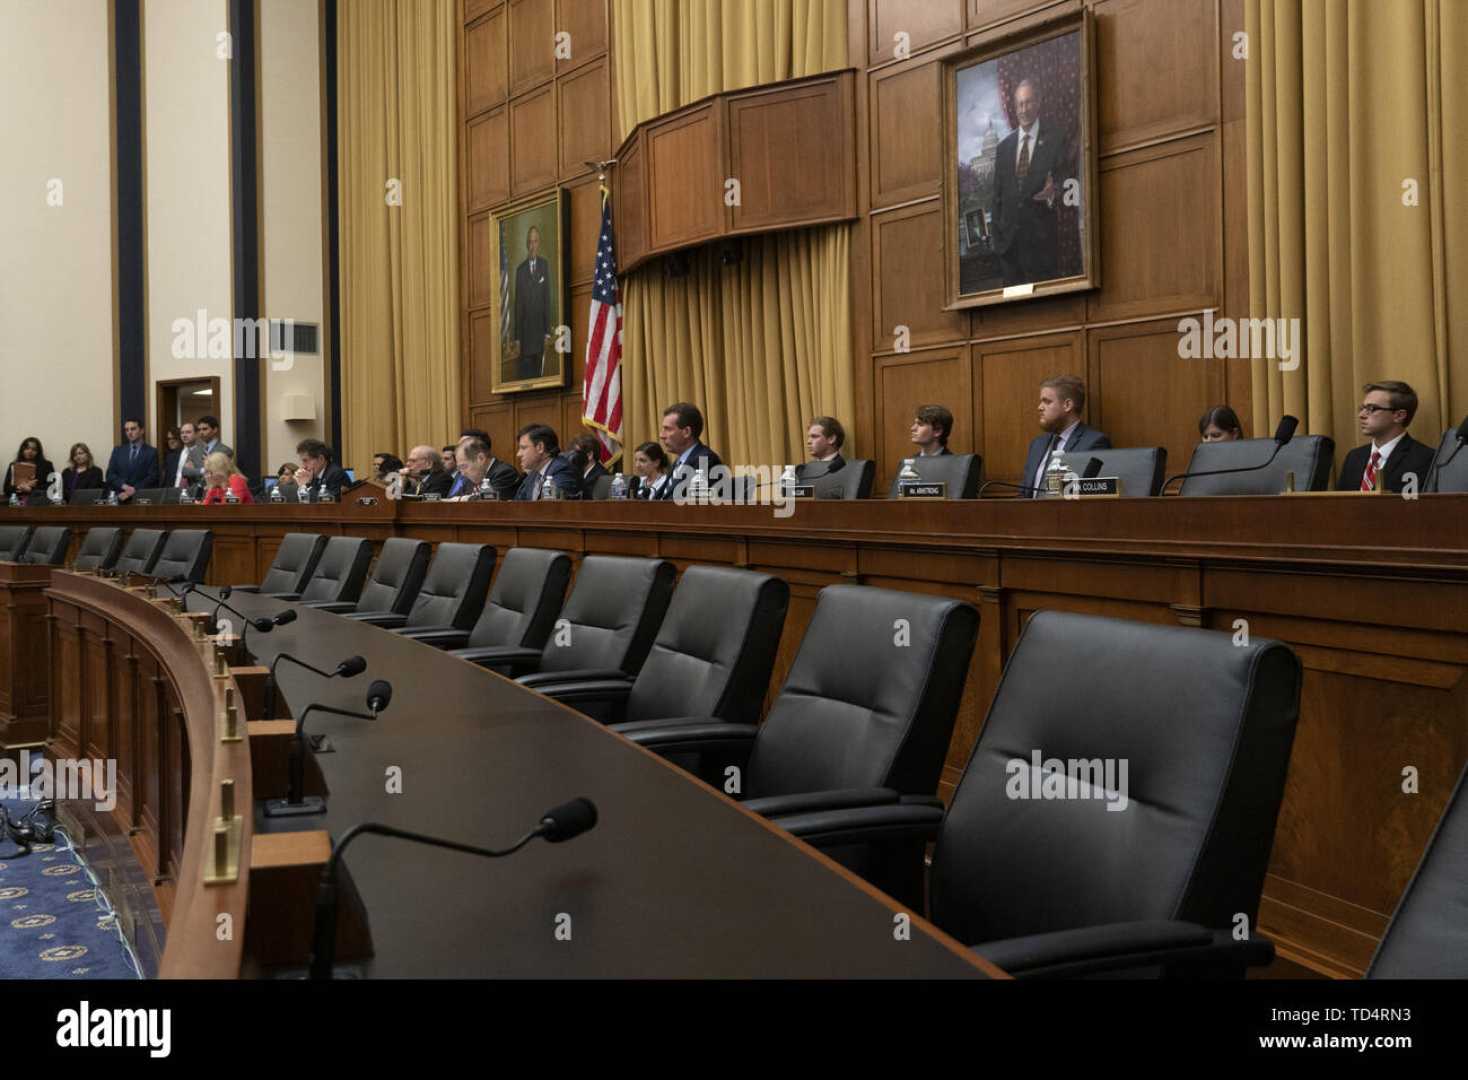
{"x":529,"y":245}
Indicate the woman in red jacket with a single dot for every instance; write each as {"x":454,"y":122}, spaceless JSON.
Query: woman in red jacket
{"x":221,"y":476}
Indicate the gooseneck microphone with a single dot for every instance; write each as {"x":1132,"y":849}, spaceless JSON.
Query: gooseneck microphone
{"x":557,"y":825}
{"x":1282,"y":435}
{"x":1090,"y":472}
{"x":295,"y":804}
{"x":1461,"y":435}
{"x":349,"y":668}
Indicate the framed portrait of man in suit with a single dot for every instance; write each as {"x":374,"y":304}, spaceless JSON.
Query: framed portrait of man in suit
{"x":530,"y":329}
{"x":1019,"y":171}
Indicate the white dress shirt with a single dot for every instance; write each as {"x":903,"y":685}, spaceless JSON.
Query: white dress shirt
{"x":1060,"y":442}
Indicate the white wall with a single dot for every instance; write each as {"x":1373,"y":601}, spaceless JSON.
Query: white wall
{"x":56,"y":302}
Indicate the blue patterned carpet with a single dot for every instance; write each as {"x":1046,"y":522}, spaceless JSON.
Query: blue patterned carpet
{"x":54,"y":921}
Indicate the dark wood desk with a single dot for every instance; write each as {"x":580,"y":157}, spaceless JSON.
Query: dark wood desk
{"x":25,"y":656}
{"x":1372,"y":592}
{"x":675,"y":881}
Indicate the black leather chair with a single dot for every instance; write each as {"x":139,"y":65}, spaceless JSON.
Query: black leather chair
{"x":48,"y":546}
{"x":99,"y":549}
{"x":393,"y":584}
{"x":700,"y":666}
{"x":452,"y":594}
{"x":605,"y":629}
{"x":523,"y":604}
{"x":1052,"y":861}
{"x":1449,"y":465}
{"x":13,"y":541}
{"x":155,"y":497}
{"x":864,"y":718}
{"x":291,"y":568}
{"x":1141,"y":469}
{"x":961,"y":472}
{"x":1309,"y":457}
{"x":602,"y":489}
{"x":339,"y":573}
{"x":88,"y":496}
{"x":853,"y":481}
{"x":184,"y":556}
{"x":1427,"y":937}
{"x":141,"y":551}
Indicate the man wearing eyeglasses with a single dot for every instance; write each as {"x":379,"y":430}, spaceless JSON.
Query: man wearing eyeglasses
{"x":1386,"y":411}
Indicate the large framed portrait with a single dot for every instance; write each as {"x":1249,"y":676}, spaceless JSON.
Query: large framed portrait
{"x":1019,"y":169}
{"x":528,"y":242}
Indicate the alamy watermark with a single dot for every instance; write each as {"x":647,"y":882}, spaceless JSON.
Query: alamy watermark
{"x":1072,"y":778}
{"x":205,"y":338}
{"x":743,"y":485}
{"x":1226,"y":338}
{"x":91,"y":780}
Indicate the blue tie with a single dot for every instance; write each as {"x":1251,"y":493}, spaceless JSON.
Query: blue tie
{"x":134,"y":459}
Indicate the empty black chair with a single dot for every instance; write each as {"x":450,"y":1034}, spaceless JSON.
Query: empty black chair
{"x":393,"y":584}
{"x":99,"y":549}
{"x":1307,"y":456}
{"x":292,"y":566}
{"x":523,"y":604}
{"x":13,"y":541}
{"x":1450,"y":464}
{"x":1141,"y":469}
{"x":48,"y":546}
{"x":1119,"y":808}
{"x":452,"y":594}
{"x":1427,"y":937}
{"x":155,"y":497}
{"x":852,"y":481}
{"x":184,"y":556}
{"x":602,"y":489}
{"x":88,"y":496}
{"x":606,"y":627}
{"x":961,"y":472}
{"x":339,"y":573}
{"x":141,"y":551}
{"x":700,"y":666}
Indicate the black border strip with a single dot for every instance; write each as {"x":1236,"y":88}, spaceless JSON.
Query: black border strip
{"x":132,"y":314}
{"x":333,"y":229}
{"x":244,"y":167}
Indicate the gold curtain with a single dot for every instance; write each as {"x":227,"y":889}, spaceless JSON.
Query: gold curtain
{"x":764,"y":344}
{"x":399,"y":233}
{"x":1356,"y":159}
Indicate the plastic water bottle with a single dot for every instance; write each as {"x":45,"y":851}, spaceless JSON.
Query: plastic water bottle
{"x":303,"y":493}
{"x":548,"y":489}
{"x":230,"y":497}
{"x":787,"y":481}
{"x":276,"y":495}
{"x":908,"y":472}
{"x":14,"y":501}
{"x":486,"y":489}
{"x":619,"y":486}
{"x":1055,"y":474}
{"x":185,"y":497}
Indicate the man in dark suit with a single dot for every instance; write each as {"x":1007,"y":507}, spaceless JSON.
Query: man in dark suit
{"x":319,"y":474}
{"x":423,"y":473}
{"x":1031,"y":166}
{"x":823,"y":439}
{"x":540,"y":457}
{"x":1387,"y":409}
{"x":1062,"y":400}
{"x":588,"y":449}
{"x":134,"y":464}
{"x":184,"y":467}
{"x":931,"y":427}
{"x":681,"y":430}
{"x":503,"y":478}
{"x":532,"y":308}
{"x":208,"y":437}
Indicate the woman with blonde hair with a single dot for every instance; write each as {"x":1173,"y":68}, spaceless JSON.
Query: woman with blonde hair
{"x":221,"y":476}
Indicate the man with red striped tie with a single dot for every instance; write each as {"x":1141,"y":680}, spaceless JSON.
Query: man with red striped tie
{"x":1393,"y":456}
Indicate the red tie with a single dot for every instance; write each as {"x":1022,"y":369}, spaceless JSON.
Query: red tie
{"x":1368,"y":480}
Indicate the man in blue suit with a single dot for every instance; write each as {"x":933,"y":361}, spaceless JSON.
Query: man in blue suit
{"x":134,"y":464}
{"x":1062,"y":399}
{"x":539,"y":453}
{"x":682,"y":438}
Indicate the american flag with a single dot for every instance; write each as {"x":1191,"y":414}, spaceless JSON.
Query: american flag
{"x":601,"y":387}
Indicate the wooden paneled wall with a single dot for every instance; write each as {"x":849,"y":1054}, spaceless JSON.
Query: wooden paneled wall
{"x":530,"y":122}
{"x":1172,"y":234}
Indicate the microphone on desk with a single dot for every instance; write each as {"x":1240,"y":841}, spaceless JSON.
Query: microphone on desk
{"x":1282,"y":435}
{"x":557,"y":825}
{"x":1461,"y":435}
{"x":1090,"y":472}
{"x":349,"y":668}
{"x":295,"y":804}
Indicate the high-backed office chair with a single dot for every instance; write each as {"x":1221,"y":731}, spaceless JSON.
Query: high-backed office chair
{"x":610,"y":620}
{"x":716,"y":668}
{"x":155,"y":497}
{"x":394,"y":581}
{"x":141,"y":551}
{"x":1427,"y":937}
{"x":523,"y":604}
{"x":184,"y":556}
{"x":961,"y":472}
{"x":1449,"y":465}
{"x":88,"y":496}
{"x":13,"y":541}
{"x":1119,"y":808}
{"x":1307,"y":456}
{"x":99,"y":549}
{"x":602,"y":489}
{"x":851,"y":481}
{"x":48,"y":546}
{"x":339,"y":573}
{"x":864,"y":717}
{"x":452,"y":593}
{"x":1141,"y":469}
{"x":292,"y":566}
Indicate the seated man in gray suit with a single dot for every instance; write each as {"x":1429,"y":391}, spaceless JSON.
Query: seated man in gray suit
{"x":1062,"y":400}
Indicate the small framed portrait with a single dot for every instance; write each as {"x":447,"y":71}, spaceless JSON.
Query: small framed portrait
{"x":1019,"y":169}
{"x":532,"y":349}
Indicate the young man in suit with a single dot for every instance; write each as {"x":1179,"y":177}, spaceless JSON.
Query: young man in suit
{"x":680,"y":434}
{"x":318,"y":474}
{"x":184,"y":467}
{"x":1062,"y":400}
{"x":540,"y":457}
{"x":208,"y":437}
{"x":589,"y":447}
{"x":931,"y":427}
{"x":823,"y":440}
{"x":1386,"y":412}
{"x":134,"y":464}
